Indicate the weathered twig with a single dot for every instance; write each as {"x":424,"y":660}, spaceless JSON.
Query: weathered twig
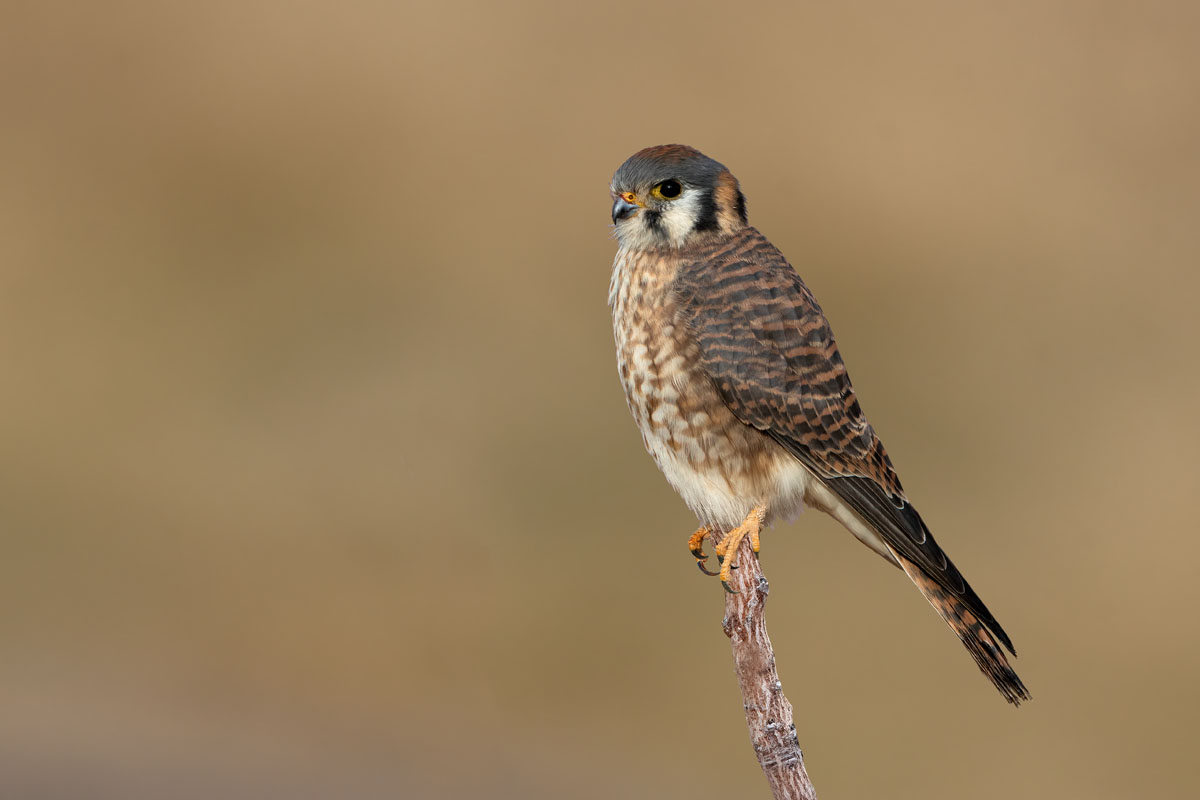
{"x":768,"y":712}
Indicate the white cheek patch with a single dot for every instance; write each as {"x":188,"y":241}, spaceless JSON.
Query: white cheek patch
{"x":680,"y":215}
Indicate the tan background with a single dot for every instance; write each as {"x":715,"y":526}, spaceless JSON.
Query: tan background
{"x":316,"y":479}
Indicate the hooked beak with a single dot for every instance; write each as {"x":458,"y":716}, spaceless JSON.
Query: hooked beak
{"x":624,"y":206}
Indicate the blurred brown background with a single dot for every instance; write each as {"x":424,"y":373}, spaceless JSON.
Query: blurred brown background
{"x":316,"y":479}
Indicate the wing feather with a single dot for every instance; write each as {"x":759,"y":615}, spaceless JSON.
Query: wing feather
{"x":771,"y":354}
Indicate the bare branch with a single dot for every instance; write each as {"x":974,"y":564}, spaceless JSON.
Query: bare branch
{"x":768,"y":712}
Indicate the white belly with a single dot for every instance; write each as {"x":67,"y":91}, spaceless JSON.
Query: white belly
{"x":721,"y":500}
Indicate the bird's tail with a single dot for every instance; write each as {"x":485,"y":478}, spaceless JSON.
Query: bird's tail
{"x":974,"y":634}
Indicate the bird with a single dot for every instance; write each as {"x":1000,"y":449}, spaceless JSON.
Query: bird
{"x":732,"y":374}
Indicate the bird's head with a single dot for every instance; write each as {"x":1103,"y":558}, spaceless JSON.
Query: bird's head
{"x":673,"y":195}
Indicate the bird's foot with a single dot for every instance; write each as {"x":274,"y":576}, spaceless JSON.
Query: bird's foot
{"x":696,"y":547}
{"x":727,"y":547}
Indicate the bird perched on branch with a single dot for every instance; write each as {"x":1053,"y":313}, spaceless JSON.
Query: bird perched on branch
{"x":733,"y":376}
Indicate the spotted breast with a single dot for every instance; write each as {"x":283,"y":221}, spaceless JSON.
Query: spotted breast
{"x":721,"y":467}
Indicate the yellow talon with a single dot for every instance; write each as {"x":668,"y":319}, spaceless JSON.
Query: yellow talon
{"x":728,"y":546}
{"x":734,"y":538}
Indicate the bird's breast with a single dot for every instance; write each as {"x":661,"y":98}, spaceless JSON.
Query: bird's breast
{"x":720,"y":466}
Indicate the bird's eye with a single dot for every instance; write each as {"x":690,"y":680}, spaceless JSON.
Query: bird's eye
{"x":667,"y":190}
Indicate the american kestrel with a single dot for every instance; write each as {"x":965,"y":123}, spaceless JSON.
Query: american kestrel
{"x":732,"y":374}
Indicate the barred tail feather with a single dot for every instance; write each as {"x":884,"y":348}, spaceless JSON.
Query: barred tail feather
{"x":974,"y":634}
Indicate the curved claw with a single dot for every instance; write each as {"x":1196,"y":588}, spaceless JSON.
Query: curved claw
{"x":697,"y":551}
{"x":725,"y":585}
{"x":696,"y":548}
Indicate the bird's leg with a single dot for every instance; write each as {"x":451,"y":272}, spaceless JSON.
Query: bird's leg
{"x":727,"y":548}
{"x":696,"y":546}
